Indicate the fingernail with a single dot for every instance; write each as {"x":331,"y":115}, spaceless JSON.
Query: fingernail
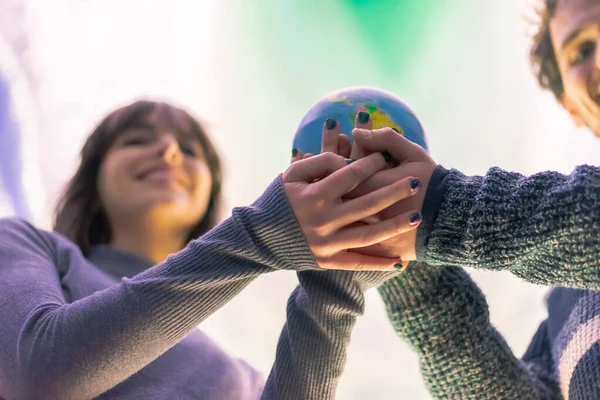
{"x":387,"y":156}
{"x":399,"y":267}
{"x":330,"y":123}
{"x":349,"y":161}
{"x":363,"y":117}
{"x":394,"y":129}
{"x":415,"y":184}
{"x":416,"y":218}
{"x":294,"y":152}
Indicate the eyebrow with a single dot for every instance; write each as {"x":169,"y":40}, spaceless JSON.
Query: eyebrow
{"x":143,"y":125}
{"x":572,"y":36}
{"x":181,"y":136}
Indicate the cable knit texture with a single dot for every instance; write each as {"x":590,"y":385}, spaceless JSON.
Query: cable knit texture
{"x":544,"y":229}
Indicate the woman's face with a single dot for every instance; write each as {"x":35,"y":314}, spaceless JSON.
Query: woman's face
{"x":575,"y":32}
{"x":155,"y":173}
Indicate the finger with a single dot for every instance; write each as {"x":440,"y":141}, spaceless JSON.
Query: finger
{"x":383,"y":249}
{"x":344,"y":180}
{"x":402,"y":266}
{"x":381,"y":179}
{"x":350,"y":261}
{"x":368,"y":235}
{"x":344,"y":146}
{"x":374,"y":202}
{"x":308,"y":155}
{"x":362,"y":120}
{"x":309,"y":169}
{"x":387,"y":139}
{"x":330,"y":136}
{"x":297,"y":155}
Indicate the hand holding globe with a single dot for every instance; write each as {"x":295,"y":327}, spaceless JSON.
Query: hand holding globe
{"x":383,"y":123}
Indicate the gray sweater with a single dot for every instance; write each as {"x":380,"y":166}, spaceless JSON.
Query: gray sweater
{"x":112,"y":326}
{"x":545,"y":229}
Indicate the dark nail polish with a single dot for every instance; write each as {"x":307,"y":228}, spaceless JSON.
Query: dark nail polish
{"x":415,"y":184}
{"x":416,"y":218}
{"x":349,"y":161}
{"x":387,"y":156}
{"x":399,"y":267}
{"x":330,"y":123}
{"x":363,"y":117}
{"x":294,"y":152}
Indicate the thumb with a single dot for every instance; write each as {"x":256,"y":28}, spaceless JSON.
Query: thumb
{"x":387,"y":139}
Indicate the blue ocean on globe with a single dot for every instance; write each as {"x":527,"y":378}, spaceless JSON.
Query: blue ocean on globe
{"x":385,"y":108}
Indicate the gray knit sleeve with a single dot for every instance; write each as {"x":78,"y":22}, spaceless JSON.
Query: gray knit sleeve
{"x":53,"y":349}
{"x":311,"y":352}
{"x":443,"y":315}
{"x":544,"y":228}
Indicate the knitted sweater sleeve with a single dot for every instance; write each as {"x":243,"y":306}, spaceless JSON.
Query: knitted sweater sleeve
{"x":311,"y":352}
{"x":544,"y":228}
{"x":444,"y":316}
{"x":51,"y":348}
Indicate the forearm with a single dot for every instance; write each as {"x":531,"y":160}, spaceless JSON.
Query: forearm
{"x":81,"y":349}
{"x":544,"y":228}
{"x":321,"y":313}
{"x":443,"y":315}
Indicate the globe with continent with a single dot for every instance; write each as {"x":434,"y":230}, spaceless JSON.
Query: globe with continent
{"x":386,"y":109}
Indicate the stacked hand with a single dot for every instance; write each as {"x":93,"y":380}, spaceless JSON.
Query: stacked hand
{"x":332,"y":196}
{"x":411,"y":160}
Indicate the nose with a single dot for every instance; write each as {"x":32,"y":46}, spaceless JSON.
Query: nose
{"x":169,"y":149}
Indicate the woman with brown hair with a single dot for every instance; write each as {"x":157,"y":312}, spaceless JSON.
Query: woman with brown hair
{"x":106,"y":306}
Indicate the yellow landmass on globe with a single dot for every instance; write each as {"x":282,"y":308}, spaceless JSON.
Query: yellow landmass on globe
{"x":382,"y":120}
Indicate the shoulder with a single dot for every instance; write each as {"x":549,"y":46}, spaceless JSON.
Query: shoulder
{"x":22,"y":245}
{"x":17,"y":228}
{"x":18,"y":235}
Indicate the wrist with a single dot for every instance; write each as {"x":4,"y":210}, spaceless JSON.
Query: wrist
{"x":450,"y":231}
{"x":270,"y":224}
{"x":431,"y":206}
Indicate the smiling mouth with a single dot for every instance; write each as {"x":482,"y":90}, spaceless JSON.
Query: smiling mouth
{"x":163,"y":175}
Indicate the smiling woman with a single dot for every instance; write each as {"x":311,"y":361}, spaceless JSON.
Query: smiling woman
{"x":137,"y":262}
{"x":122,"y":180}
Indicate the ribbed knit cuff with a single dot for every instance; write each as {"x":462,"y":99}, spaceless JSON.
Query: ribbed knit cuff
{"x":445,"y":242}
{"x":431,"y":206}
{"x":263,"y":235}
{"x":273,"y":228}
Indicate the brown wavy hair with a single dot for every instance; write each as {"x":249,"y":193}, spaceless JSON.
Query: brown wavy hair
{"x":542,"y":56}
{"x":79,"y":212}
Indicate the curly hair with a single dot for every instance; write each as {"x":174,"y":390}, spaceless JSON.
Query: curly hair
{"x":542,"y":56}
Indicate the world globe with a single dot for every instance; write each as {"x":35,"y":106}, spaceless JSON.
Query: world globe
{"x":386,"y":110}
